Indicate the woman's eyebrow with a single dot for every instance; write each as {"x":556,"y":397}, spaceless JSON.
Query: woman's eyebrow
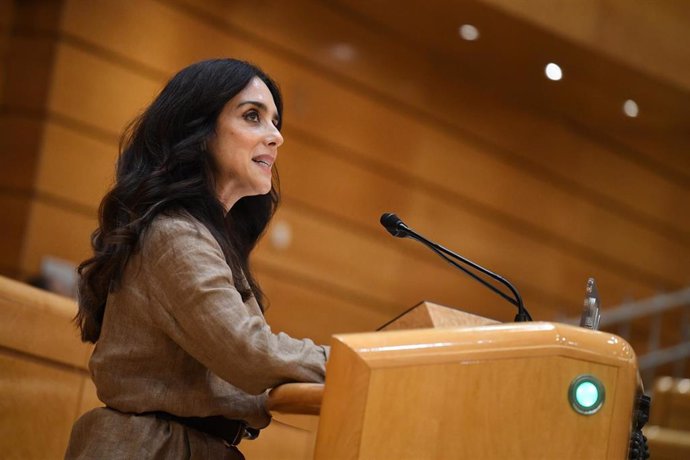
{"x":258,"y":104}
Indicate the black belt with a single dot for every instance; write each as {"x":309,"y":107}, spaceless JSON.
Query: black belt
{"x":231,"y":431}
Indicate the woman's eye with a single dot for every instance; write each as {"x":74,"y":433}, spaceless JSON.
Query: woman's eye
{"x":252,"y":115}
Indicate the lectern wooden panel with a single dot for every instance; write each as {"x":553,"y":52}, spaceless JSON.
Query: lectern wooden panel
{"x":430,"y":315}
{"x":497,"y":391}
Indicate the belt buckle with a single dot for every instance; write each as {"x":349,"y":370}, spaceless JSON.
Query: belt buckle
{"x":245,"y":432}
{"x":250,"y":433}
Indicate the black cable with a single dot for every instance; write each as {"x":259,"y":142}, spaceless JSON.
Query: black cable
{"x":476,"y":277}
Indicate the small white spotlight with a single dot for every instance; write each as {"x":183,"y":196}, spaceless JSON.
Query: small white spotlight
{"x":468,"y":32}
{"x":630,"y":108}
{"x":280,"y":234}
{"x":553,"y":71}
{"x":343,"y":52}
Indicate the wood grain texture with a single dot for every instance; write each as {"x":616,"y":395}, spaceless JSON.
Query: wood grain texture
{"x":296,"y":398}
{"x":281,"y":440}
{"x":39,"y":323}
{"x":430,"y":315}
{"x":15,"y":211}
{"x":38,"y":406}
{"x":56,"y":231}
{"x":44,"y":380}
{"x":415,"y":394}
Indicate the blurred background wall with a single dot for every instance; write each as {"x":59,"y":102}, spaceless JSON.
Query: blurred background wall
{"x":388,"y":108}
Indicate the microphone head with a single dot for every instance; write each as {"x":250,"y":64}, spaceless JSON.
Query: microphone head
{"x":394,"y":225}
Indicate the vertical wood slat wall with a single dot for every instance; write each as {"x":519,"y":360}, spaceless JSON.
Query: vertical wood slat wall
{"x":386,"y":132}
{"x":26,"y":68}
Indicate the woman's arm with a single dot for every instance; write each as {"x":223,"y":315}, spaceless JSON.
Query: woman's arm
{"x":197,"y":305}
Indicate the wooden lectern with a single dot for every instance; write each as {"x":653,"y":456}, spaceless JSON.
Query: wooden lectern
{"x":482,"y":391}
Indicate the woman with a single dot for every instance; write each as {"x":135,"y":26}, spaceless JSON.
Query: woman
{"x":183,"y":355}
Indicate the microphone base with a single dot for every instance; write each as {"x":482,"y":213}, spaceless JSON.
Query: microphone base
{"x":522,"y":317}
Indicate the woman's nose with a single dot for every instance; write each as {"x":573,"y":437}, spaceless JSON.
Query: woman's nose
{"x":274,"y":137}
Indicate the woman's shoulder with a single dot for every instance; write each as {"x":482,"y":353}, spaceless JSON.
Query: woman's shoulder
{"x":173,"y":228}
{"x":175,"y":220}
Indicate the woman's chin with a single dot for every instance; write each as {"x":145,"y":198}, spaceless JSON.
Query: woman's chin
{"x":262,"y":190}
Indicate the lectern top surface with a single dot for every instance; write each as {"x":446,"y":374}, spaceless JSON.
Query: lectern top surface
{"x":508,"y":339}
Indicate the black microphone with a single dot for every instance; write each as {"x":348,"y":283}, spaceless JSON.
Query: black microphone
{"x":394,"y":225}
{"x":397,"y":228}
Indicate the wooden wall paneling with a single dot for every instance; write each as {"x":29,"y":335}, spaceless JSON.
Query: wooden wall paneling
{"x":14,"y":215}
{"x":37,"y":405}
{"x":391,"y":272}
{"x":40,"y":325}
{"x":590,"y":104}
{"x":87,"y":397}
{"x":27,"y":56}
{"x":105,"y":95}
{"x":6,"y":20}
{"x":320,"y":250}
{"x":54,"y":230}
{"x":479,"y":60}
{"x":29,"y":70}
{"x":74,"y":166}
{"x":673,"y":161}
{"x":397,"y":77}
{"x":42,"y":16}
{"x":19,"y":144}
{"x":645,"y":35}
{"x":624,"y":187}
{"x":298,"y":309}
{"x":331,"y":179}
{"x":77,"y":110}
{"x":149,"y":35}
{"x":532,"y":206}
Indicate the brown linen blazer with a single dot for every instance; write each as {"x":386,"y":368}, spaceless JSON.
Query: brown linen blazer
{"x":178,"y":338}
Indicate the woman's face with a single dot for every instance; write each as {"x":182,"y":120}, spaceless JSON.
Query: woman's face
{"x":245,"y":144}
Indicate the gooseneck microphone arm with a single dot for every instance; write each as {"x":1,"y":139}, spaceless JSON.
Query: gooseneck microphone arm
{"x":397,"y":228}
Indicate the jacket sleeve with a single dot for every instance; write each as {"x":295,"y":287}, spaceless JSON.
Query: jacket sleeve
{"x":198,"y":307}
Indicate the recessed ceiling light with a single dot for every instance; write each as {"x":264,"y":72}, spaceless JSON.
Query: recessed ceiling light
{"x":468,"y":32}
{"x":630,"y":108}
{"x":553,"y":71}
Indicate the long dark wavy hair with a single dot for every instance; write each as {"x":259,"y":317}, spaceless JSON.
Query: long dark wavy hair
{"x":164,"y":166}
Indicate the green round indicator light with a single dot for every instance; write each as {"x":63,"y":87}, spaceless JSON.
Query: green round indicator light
{"x":586,"y":394}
